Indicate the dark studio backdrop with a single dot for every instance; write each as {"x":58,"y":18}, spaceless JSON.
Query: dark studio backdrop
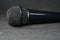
{"x":49,"y":5}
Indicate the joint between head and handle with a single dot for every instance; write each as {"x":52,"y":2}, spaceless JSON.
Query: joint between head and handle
{"x":25,"y":16}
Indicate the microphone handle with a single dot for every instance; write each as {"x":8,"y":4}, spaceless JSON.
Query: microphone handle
{"x":36,"y":16}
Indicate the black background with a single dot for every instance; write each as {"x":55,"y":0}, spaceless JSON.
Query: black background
{"x":49,"y":5}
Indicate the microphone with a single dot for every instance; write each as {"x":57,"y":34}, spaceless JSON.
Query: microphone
{"x":18,"y":15}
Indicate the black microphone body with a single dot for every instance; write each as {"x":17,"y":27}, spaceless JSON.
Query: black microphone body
{"x":18,"y":15}
{"x":40,"y":16}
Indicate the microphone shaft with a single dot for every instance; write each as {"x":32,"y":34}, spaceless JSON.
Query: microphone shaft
{"x":36,"y":16}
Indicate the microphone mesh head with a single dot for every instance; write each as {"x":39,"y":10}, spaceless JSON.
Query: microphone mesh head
{"x":17,"y":15}
{"x":14,"y":15}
